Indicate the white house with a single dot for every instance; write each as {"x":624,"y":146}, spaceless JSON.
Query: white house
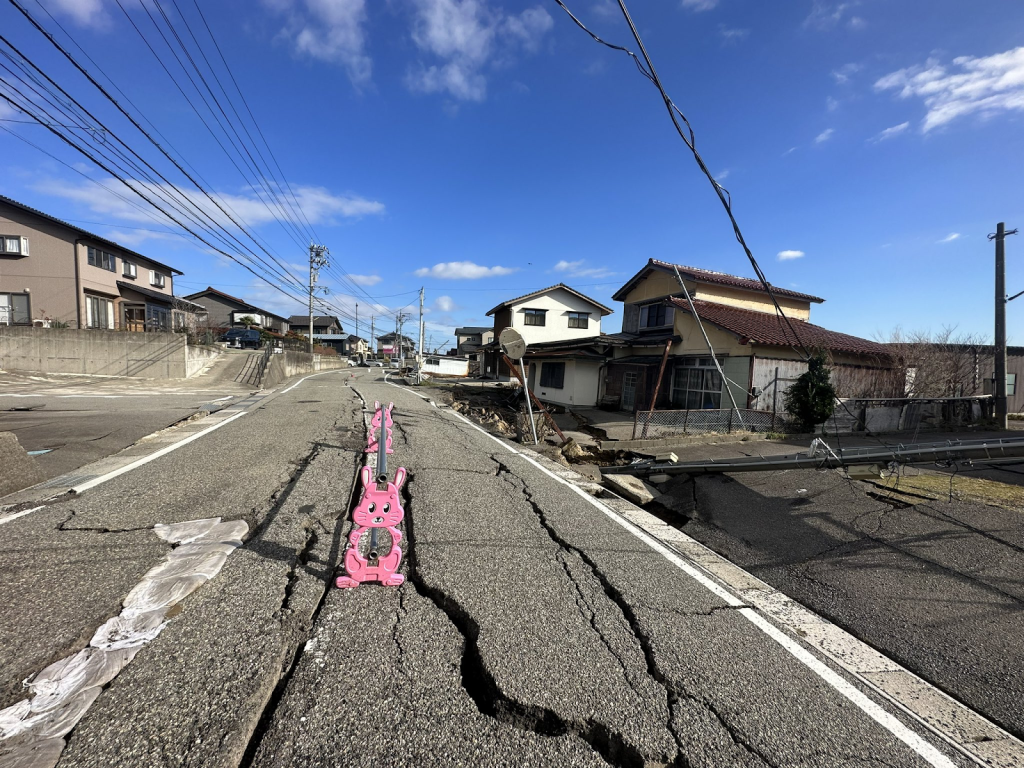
{"x":555,"y":314}
{"x":446,"y":365}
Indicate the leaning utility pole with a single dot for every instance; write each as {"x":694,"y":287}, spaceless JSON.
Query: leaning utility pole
{"x":317,"y":260}
{"x":419,"y":351}
{"x":1001,"y":301}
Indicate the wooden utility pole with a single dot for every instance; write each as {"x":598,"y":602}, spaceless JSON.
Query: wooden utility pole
{"x":1000,"y":345}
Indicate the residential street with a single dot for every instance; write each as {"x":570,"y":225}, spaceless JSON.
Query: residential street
{"x":533,"y":628}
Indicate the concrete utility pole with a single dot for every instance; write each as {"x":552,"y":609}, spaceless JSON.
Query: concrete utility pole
{"x":1001,"y":302}
{"x":373,"y":341}
{"x":419,"y":351}
{"x":317,"y":260}
{"x":357,"y":319}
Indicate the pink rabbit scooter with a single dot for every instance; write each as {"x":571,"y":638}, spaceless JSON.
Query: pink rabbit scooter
{"x":379,"y":507}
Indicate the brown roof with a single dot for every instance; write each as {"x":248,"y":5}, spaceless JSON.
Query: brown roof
{"x":245,"y":304}
{"x":563,"y":286}
{"x":708,"y":276}
{"x":772,"y":330}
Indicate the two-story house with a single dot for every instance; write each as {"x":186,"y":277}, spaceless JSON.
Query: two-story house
{"x":226,"y":311}
{"x":552,"y":315}
{"x":469,"y":339}
{"x":760,"y":353}
{"x":388,"y":345}
{"x":54,"y":273}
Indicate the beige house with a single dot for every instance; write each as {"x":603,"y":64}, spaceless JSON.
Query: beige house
{"x":760,"y":353}
{"x":55,"y":274}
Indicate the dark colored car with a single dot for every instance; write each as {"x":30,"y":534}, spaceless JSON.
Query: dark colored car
{"x":239,"y":337}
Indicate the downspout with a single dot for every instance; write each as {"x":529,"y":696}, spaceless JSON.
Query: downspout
{"x":79,"y":296}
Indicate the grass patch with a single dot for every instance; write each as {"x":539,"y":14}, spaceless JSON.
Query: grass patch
{"x":937,"y":487}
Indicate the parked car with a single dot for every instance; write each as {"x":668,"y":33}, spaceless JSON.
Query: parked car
{"x":351,"y":363}
{"x":374,"y":364}
{"x":242,"y":338}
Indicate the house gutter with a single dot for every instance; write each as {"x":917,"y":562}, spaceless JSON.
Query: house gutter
{"x":78,"y":287}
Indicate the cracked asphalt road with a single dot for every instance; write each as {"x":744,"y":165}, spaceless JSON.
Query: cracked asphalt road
{"x":531,"y":629}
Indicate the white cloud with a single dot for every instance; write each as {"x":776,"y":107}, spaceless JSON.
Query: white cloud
{"x":444,"y":304}
{"x":824,"y":136}
{"x":888,"y":133}
{"x":7,"y":112}
{"x":365,"y":280}
{"x":845,"y":72}
{"x":723,"y":175}
{"x":465,"y":36}
{"x":576,"y":269}
{"x":605,"y":8}
{"x":87,"y":13}
{"x":462,"y":270}
{"x":987,"y":86}
{"x":825,"y":15}
{"x":950,"y":237}
{"x":856,"y":23}
{"x":790,"y":255}
{"x":731,"y":35}
{"x":831,"y":104}
{"x":328,"y":30}
{"x":699,"y":5}
{"x":319,"y":205}
{"x":790,"y":151}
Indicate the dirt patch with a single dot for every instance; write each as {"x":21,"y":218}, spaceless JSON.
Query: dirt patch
{"x":942,"y":487}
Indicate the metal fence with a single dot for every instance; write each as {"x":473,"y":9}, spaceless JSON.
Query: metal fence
{"x":659,"y":424}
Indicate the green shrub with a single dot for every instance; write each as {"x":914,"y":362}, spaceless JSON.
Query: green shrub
{"x":812,"y":398}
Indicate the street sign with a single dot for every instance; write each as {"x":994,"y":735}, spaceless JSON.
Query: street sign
{"x":512,"y":344}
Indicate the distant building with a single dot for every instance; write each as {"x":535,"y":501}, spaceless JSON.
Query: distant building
{"x":355,"y":345}
{"x":387,"y":345}
{"x":322,"y":324}
{"x":54,"y":273}
{"x":469,"y":340}
{"x":226,"y":311}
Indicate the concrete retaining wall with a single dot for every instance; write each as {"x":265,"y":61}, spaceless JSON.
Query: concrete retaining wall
{"x":288,"y":363}
{"x":107,"y":353}
{"x":198,"y":358}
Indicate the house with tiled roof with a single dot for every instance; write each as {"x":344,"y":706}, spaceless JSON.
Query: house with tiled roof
{"x":227,"y":311}
{"x":552,"y":314}
{"x":760,"y":350}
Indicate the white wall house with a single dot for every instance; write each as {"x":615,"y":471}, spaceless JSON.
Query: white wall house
{"x":557,"y":313}
{"x":445,"y":365}
{"x":568,"y":380}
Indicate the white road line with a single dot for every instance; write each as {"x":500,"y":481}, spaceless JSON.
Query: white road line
{"x":870,"y":708}
{"x":16,"y":515}
{"x":11,"y":394}
{"x":293,"y":386}
{"x":146,"y":459}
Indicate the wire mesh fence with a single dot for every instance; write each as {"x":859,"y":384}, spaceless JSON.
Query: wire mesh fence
{"x":658,"y":424}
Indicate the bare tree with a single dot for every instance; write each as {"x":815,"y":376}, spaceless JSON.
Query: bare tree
{"x":943,"y":364}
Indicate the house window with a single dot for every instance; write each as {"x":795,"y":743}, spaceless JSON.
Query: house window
{"x":534,"y":316}
{"x":128,"y":269}
{"x":155,"y":278}
{"x":14,"y":309}
{"x":552,"y":375}
{"x":697,"y":384}
{"x":655,"y":316}
{"x":1011,"y":384}
{"x":102,"y":259}
{"x":99,"y":312}
{"x":14,"y":245}
{"x":579,"y":320}
{"x":433,"y":361}
{"x":157,"y":318}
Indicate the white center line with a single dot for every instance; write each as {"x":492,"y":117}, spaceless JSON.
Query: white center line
{"x":16,"y":515}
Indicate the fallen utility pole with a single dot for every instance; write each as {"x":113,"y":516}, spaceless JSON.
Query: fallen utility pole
{"x":820,"y":456}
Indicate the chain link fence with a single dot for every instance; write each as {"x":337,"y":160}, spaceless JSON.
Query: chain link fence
{"x":649,"y":425}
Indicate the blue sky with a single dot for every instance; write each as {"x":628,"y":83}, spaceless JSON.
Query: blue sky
{"x":485,"y":150}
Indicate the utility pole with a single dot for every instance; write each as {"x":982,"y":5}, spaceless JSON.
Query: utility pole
{"x":419,"y":350}
{"x":317,"y":260}
{"x":357,"y":319}
{"x":1001,"y":302}
{"x":373,"y":341}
